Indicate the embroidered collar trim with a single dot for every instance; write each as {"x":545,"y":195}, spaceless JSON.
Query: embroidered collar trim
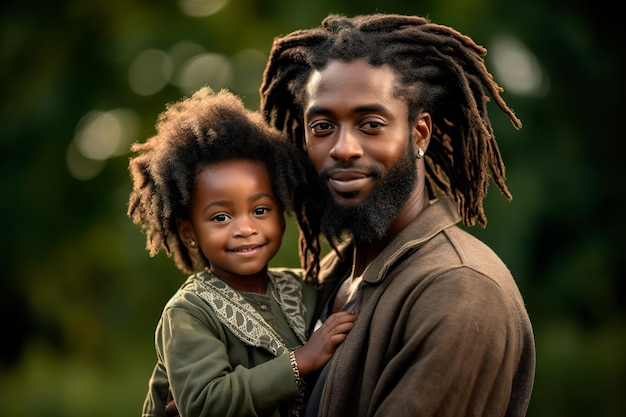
{"x":240,"y":317}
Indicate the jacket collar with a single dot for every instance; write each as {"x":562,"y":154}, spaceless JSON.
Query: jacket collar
{"x":437,"y":216}
{"x":440,"y":214}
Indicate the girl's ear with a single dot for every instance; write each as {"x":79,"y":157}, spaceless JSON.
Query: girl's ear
{"x":186,"y":233}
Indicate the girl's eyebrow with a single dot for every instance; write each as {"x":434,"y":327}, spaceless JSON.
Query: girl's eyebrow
{"x":215,"y":203}
{"x":259,"y":196}
{"x":253,"y":198}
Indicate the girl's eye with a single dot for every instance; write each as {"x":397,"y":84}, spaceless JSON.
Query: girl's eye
{"x":219,"y":218}
{"x":259,"y":211}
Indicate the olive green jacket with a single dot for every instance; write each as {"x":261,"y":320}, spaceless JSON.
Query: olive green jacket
{"x":225,"y":353}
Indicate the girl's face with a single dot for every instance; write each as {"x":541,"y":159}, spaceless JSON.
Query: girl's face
{"x":236,"y":221}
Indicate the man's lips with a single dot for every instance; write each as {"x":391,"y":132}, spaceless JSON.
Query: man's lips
{"x":347,"y":181}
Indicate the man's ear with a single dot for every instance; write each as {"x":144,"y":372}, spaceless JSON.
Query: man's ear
{"x":186,"y":233}
{"x":422,"y":129}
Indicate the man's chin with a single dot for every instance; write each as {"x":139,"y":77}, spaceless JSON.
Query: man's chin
{"x":347,"y":201}
{"x":338,"y":218}
{"x":349,"y":207}
{"x":367,"y":214}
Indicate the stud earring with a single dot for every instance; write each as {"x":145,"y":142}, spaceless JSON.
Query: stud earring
{"x":192,"y":243}
{"x":420,"y":153}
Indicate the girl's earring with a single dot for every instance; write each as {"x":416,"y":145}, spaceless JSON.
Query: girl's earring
{"x":192,"y":243}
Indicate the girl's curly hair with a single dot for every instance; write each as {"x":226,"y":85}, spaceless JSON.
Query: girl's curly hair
{"x":206,"y":128}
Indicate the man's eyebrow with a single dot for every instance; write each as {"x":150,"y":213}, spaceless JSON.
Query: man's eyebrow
{"x":372,"y":108}
{"x":317,"y":110}
{"x":366,"y":108}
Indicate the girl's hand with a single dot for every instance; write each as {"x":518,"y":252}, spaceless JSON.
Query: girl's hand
{"x":314,"y":354}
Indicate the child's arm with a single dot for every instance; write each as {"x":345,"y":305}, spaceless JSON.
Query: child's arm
{"x":311,"y":356}
{"x":314,"y":354}
{"x":191,"y":343}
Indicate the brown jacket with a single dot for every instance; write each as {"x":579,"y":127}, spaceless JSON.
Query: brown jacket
{"x":442,"y":330}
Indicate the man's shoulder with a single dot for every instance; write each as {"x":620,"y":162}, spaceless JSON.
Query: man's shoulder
{"x":474,"y":253}
{"x":452,"y":252}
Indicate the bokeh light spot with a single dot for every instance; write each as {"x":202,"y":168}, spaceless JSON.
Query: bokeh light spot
{"x":150,"y":71}
{"x":515,"y":66}
{"x":103,"y":134}
{"x":248,"y":66}
{"x":201,"y":8}
{"x":209,"y":68}
{"x":98,"y":135}
{"x":183,"y":51}
{"x":79,"y":166}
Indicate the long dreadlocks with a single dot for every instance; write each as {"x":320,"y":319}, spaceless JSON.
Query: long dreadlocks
{"x":439,"y":70}
{"x":204,"y":129}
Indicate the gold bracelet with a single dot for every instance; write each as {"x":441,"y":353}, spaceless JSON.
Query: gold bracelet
{"x":296,"y":372}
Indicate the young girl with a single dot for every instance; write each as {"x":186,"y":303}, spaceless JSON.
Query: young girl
{"x":210,"y":189}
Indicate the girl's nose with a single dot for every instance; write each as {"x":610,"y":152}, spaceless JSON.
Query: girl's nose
{"x":245,"y":227}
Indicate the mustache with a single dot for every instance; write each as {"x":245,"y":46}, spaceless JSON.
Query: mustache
{"x":372,"y":171}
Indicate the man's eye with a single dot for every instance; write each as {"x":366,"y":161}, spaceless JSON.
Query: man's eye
{"x":320,"y":126}
{"x":373,"y":124}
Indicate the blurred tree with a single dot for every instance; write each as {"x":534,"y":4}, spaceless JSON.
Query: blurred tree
{"x":80,"y":291}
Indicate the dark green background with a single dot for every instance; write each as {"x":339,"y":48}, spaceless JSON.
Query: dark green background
{"x":80,"y":296}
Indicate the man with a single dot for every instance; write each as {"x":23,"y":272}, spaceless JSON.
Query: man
{"x":392,"y":112}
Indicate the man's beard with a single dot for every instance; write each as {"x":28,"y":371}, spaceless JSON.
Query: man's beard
{"x":370,"y":220}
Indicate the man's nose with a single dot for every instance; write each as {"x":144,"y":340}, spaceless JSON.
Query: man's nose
{"x":347,"y":147}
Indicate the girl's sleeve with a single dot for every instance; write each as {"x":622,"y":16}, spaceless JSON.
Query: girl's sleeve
{"x":191,"y":343}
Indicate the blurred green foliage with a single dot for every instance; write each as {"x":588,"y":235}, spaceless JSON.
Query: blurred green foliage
{"x":80,"y":295}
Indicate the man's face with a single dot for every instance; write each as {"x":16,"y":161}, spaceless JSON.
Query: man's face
{"x":358,"y":138}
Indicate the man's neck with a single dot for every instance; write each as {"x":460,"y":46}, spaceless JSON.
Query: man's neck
{"x":366,"y":252}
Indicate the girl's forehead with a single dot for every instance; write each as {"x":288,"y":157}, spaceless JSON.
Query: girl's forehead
{"x":233,"y":171}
